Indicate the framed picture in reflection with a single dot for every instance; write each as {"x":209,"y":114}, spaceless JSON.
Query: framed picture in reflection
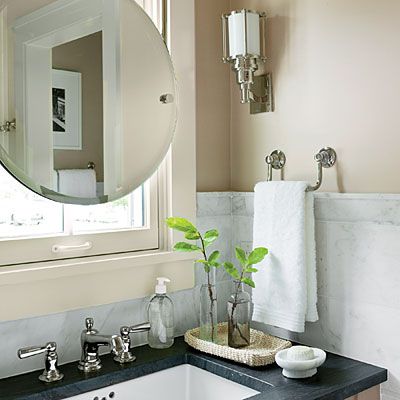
{"x":67,"y":110}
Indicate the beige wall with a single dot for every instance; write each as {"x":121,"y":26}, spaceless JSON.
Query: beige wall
{"x":213,"y":104}
{"x":85,"y":56}
{"x":336,"y":81}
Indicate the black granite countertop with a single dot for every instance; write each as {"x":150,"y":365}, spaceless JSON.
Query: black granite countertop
{"x":338,"y":378}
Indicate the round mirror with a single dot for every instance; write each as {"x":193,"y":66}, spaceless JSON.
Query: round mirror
{"x":91,"y":107}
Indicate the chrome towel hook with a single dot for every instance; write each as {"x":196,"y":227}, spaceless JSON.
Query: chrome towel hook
{"x":276,"y":160}
{"x":325,"y":158}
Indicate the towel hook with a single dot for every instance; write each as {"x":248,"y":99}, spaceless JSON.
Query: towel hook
{"x":275,"y":160}
{"x":325,"y":158}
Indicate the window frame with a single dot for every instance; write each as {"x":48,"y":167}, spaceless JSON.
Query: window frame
{"x":102,"y":243}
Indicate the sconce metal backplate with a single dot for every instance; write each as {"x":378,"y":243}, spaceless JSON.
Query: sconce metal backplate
{"x":262,"y":87}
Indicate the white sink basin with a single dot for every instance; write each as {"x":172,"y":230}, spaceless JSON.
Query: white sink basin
{"x":179,"y":383}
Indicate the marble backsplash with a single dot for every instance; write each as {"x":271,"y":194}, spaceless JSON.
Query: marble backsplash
{"x":358,"y":256}
{"x":358,"y":282}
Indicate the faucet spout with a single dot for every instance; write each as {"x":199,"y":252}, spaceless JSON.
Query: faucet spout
{"x":91,"y":340}
{"x":115,"y":342}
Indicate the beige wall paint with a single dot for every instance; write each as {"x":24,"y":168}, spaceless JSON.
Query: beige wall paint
{"x":85,"y":55}
{"x":336,"y":82}
{"x":212,"y":96}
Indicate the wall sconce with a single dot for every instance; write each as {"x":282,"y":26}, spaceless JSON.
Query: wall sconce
{"x":244,"y":47}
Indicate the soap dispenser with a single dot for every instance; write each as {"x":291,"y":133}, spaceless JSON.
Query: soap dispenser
{"x":161,"y":317}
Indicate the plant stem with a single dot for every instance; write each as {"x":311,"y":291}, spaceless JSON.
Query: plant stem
{"x":210,"y":292}
{"x":234,"y":305}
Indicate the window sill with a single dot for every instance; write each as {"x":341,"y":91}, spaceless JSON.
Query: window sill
{"x":90,"y":281}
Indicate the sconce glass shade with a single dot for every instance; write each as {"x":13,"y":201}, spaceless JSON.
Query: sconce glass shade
{"x":244,"y":34}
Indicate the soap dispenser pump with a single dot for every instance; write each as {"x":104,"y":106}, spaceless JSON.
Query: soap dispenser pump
{"x":161,"y":317}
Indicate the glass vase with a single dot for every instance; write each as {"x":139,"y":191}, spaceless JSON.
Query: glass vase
{"x":239,"y":316}
{"x":208,"y":308}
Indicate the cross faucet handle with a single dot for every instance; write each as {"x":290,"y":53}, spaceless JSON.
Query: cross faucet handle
{"x":51,"y":372}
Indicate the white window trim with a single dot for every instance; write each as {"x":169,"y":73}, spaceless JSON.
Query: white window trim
{"x":55,"y":286}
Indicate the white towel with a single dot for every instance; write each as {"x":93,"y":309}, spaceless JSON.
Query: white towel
{"x":286,"y":284}
{"x":77,"y":182}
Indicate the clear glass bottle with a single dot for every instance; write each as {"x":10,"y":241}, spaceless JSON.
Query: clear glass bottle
{"x":208,"y":308}
{"x":239,"y":316}
{"x":161,"y":318}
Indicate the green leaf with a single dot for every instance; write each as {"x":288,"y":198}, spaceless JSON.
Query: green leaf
{"x":250,"y":270}
{"x":210,"y":237}
{"x":201,"y":261}
{"x":228,"y":265}
{"x":234,"y":273}
{"x":192,"y":235}
{"x":180,"y":224}
{"x":214,"y":256}
{"x":257,"y":255}
{"x":249,"y":282}
{"x":241,"y":256}
{"x":231,"y":270}
{"x":186,"y":247}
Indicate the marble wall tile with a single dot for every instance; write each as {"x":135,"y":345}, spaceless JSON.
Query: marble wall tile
{"x":375,"y":208}
{"x":214,"y":203}
{"x":243,"y":203}
{"x":362,"y":331}
{"x":362,"y":263}
{"x":358,"y":263}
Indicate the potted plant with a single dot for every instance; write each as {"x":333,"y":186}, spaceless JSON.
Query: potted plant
{"x":210,"y":262}
{"x":239,"y":312}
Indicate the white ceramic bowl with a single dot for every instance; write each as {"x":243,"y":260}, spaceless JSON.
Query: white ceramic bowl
{"x":298,"y":369}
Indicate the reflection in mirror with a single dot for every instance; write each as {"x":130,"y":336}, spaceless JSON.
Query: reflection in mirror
{"x":92,"y":123}
{"x":25,"y":214}
{"x":77,"y":78}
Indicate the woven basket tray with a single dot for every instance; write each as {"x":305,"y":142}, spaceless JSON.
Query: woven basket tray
{"x":260,"y":352}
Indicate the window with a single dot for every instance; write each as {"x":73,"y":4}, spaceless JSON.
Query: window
{"x":126,"y":225}
{"x":24,"y":214}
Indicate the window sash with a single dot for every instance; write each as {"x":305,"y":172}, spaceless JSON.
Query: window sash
{"x":110,"y":242}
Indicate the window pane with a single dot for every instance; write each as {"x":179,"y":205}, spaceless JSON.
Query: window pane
{"x":125,"y":213}
{"x":24,"y":213}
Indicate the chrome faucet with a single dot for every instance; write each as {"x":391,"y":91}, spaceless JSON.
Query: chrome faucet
{"x":91,"y":340}
{"x":51,"y":372}
{"x":126,"y":355}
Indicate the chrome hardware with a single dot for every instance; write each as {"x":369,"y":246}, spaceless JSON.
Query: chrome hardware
{"x":276,"y":160}
{"x":325,"y":158}
{"x":126,"y":356}
{"x":91,"y":165}
{"x":261,"y":96}
{"x":8,"y":125}
{"x":58,"y":248}
{"x":91,"y":340}
{"x":166,"y":98}
{"x":51,"y":372}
